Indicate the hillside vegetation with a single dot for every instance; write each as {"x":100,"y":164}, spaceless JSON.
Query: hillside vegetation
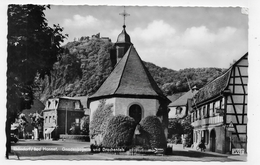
{"x":85,"y":64}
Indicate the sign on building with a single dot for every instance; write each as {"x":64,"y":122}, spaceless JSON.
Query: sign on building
{"x":230,"y":127}
{"x":238,"y":151}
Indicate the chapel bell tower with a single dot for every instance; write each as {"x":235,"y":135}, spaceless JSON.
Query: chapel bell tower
{"x":122,"y":44}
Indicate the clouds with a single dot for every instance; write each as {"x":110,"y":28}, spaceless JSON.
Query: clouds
{"x":82,"y":22}
{"x":155,"y":30}
{"x":163,"y":45}
{"x":176,"y":38}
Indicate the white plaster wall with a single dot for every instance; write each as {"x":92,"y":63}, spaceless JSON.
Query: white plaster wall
{"x":172,"y":113}
{"x":49,"y":122}
{"x":149,"y":106}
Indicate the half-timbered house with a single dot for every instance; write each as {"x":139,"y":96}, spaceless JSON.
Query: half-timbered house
{"x":219,"y":114}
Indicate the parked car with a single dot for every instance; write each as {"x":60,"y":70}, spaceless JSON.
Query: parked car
{"x":14,"y":138}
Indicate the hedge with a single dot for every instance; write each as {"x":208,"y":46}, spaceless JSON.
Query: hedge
{"x":100,"y":119}
{"x":152,"y":127}
{"x":119,"y":132}
{"x":75,"y":137}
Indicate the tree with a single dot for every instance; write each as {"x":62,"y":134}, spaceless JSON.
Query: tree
{"x":32,"y":50}
{"x":84,"y":125}
{"x":21,"y":121}
{"x":37,"y":122}
{"x":187,"y":129}
{"x":175,"y":127}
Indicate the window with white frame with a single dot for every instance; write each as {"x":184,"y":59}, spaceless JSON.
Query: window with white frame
{"x":207,"y":110}
{"x":223,"y":103}
{"x":56,"y":103}
{"x":204,"y":111}
{"x":200,"y":113}
{"x":49,"y":103}
{"x":213,"y":109}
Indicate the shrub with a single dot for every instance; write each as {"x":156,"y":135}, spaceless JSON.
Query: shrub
{"x":100,"y":119}
{"x":84,"y":125}
{"x":174,"y":127}
{"x":176,"y":139}
{"x":152,"y":126}
{"x":75,"y":137}
{"x":119,"y":132}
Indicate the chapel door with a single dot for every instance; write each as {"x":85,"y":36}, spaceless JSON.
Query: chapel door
{"x":135,"y":111}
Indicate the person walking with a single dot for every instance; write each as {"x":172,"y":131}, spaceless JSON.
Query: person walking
{"x":202,"y":145}
{"x":183,"y":140}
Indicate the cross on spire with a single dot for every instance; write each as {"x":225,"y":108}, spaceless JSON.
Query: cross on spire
{"x":124,"y":14}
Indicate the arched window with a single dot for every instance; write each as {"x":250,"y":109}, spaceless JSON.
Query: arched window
{"x":135,"y":111}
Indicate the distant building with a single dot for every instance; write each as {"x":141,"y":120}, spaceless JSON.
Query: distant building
{"x":59,"y":115}
{"x":106,"y":39}
{"x":179,"y":108}
{"x":220,"y":113}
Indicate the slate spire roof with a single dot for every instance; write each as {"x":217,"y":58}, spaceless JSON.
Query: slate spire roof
{"x":130,"y":78}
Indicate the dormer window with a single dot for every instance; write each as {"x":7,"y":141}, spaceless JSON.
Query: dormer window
{"x":56,"y":103}
{"x":49,"y":103}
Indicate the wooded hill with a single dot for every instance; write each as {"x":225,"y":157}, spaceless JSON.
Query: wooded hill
{"x":85,"y":64}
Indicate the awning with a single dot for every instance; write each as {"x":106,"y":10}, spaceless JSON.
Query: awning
{"x":49,"y":130}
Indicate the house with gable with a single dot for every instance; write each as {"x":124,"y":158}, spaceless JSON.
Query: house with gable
{"x":59,"y":114}
{"x":219,"y":112}
{"x":130,"y":87}
{"x":179,"y":108}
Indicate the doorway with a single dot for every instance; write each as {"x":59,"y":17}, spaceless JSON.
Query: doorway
{"x":213,"y":140}
{"x":135,"y":111}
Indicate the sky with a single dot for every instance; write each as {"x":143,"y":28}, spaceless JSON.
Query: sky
{"x":171,"y":37}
